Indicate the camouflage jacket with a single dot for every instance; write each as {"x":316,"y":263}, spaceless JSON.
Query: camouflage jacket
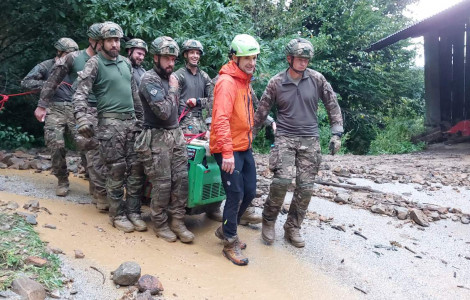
{"x":297,"y":104}
{"x":137,"y":73}
{"x":37,"y":77}
{"x":86,"y":82}
{"x":160,"y":102}
{"x":193,"y":86}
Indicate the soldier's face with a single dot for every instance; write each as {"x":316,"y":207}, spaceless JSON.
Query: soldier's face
{"x":298,"y":63}
{"x":137,"y":56}
{"x":167,"y":63}
{"x":111,"y":47}
{"x":246,"y":63}
{"x":193,"y":56}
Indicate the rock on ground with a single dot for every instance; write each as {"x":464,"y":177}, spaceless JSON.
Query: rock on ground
{"x":28,"y":288}
{"x":127,"y":273}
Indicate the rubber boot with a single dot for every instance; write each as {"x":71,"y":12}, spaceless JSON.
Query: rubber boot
{"x":136,"y":220}
{"x":233,"y":252}
{"x":250,"y":217}
{"x":292,"y":235}
{"x":268,"y":232}
{"x":122,"y":223}
{"x":178,"y":227}
{"x":62,"y":187}
{"x":102,"y":203}
{"x":164,"y":232}
{"x":219,"y":232}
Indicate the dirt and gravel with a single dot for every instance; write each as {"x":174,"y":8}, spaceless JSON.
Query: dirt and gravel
{"x":378,"y":227}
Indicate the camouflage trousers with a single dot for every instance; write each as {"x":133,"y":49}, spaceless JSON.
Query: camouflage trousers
{"x":59,"y":121}
{"x":163,"y":154}
{"x":117,"y":139}
{"x":292,"y":156}
{"x":192,"y":125}
{"x":95,"y":164}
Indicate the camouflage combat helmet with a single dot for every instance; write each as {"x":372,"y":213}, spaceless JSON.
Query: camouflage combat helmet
{"x":66,"y":45}
{"x":299,"y":47}
{"x":193,"y":45}
{"x":244,"y":45}
{"x":94,"y":31}
{"x":164,"y":45}
{"x":136,"y":43}
{"x":111,"y":30}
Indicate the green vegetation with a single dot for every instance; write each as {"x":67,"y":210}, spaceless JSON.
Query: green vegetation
{"x":370,"y":86}
{"x":14,"y":137}
{"x":16,"y":245}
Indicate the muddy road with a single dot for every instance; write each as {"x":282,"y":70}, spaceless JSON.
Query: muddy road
{"x":357,"y":244}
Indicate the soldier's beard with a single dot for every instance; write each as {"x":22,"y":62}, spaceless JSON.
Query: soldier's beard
{"x":134,"y":62}
{"x":165,"y":73}
{"x":111,"y":53}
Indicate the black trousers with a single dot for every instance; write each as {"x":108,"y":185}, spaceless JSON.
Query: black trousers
{"x":240,"y":189}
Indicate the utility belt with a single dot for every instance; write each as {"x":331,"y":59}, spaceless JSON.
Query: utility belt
{"x":119,"y":116}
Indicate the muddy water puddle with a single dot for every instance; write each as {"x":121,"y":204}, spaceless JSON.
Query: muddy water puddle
{"x":195,"y":271}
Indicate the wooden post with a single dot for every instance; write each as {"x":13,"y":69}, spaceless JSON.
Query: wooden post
{"x":458,"y":69}
{"x":431,"y":80}
{"x":445,"y":67}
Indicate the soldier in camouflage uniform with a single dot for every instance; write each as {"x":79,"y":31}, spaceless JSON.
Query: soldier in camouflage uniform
{"x":60,"y":117}
{"x":136,"y":51}
{"x":67,"y":67}
{"x":194,"y":86}
{"x":161,"y":145}
{"x":120,"y":116}
{"x":295,"y":93}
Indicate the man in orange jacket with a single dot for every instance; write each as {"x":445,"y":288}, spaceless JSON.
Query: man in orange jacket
{"x":231,"y":138}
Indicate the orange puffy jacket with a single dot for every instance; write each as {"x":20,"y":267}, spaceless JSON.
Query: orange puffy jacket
{"x":232,"y":112}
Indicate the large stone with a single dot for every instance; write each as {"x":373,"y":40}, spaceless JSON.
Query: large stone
{"x":12,"y":205}
{"x":31,"y":204}
{"x":378,"y":209}
{"x":402,"y":212}
{"x":29,"y":289}
{"x":342,"y":198}
{"x":127,"y":273}
{"x":29,"y":218}
{"x":465,"y":219}
{"x":419,"y":217}
{"x":149,"y":283}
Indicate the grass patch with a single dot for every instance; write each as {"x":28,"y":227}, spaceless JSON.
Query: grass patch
{"x":16,"y":245}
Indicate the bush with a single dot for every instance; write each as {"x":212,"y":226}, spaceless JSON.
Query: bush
{"x":395,"y":138}
{"x":14,"y":137}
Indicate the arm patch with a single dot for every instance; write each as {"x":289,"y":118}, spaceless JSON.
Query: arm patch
{"x":155,"y":92}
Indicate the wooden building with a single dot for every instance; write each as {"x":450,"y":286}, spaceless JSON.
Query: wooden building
{"x":447,"y":63}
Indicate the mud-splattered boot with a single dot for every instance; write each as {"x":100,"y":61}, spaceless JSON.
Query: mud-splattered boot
{"x":219,"y":232}
{"x":233,"y":252}
{"x":136,"y":220}
{"x":123,"y":224}
{"x":292,"y":235}
{"x":62,"y":187}
{"x":178,"y":227}
{"x":164,"y":232}
{"x":215,"y":215}
{"x":102,"y":202}
{"x":268,"y":232}
{"x":250,"y":217}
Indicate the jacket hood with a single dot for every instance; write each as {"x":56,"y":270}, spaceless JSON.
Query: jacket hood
{"x":233,"y":70}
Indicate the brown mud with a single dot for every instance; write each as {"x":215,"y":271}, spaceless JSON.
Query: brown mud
{"x":196,"y":271}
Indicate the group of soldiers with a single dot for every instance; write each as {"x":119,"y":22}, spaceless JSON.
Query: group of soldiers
{"x":129,"y":123}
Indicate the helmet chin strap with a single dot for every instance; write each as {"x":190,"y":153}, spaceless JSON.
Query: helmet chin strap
{"x":94,"y":47}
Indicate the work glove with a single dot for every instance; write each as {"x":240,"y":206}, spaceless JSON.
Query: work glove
{"x":335,"y":144}
{"x":85,"y":128}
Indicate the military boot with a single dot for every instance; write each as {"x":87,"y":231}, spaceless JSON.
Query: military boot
{"x":122,"y":223}
{"x":268,"y":232}
{"x":62,"y":187}
{"x":233,"y":252}
{"x":136,"y":220}
{"x":219,"y":232}
{"x":250,"y":217}
{"x":102,"y":203}
{"x":178,"y":227}
{"x":292,"y":235}
{"x":164,"y":232}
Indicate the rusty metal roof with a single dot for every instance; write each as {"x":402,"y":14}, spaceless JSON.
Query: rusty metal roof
{"x":453,"y":14}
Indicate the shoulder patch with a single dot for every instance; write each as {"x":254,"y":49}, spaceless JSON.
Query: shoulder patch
{"x":156,"y":92}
